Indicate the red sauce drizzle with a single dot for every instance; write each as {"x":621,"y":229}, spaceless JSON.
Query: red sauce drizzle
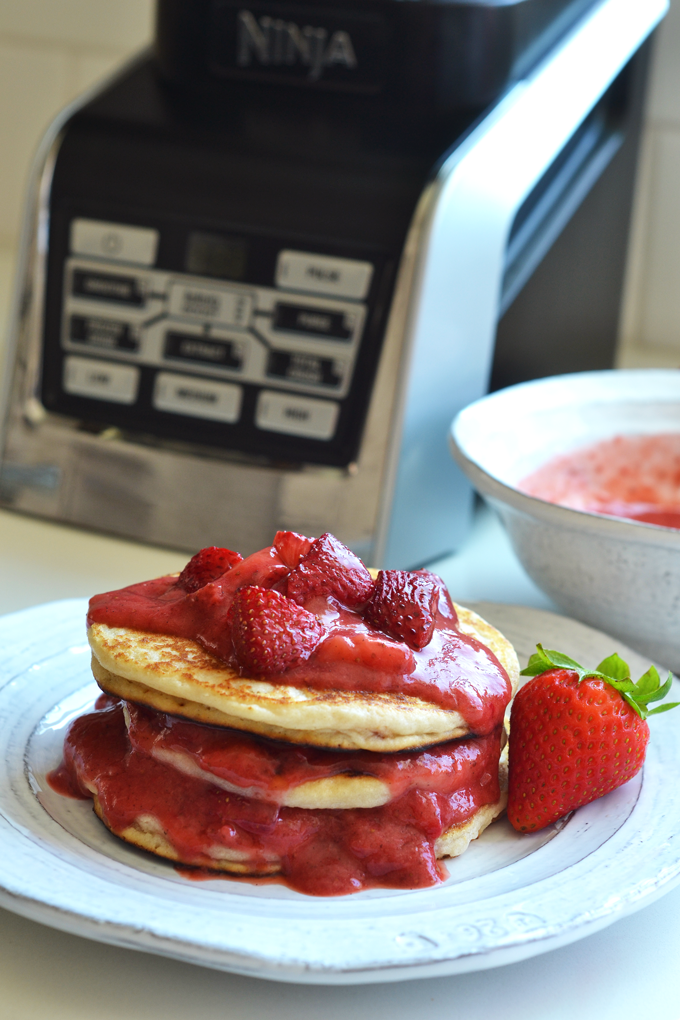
{"x":320,"y":852}
{"x":454,"y":671}
{"x":637,"y":477}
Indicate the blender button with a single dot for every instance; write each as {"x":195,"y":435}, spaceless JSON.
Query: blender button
{"x":102,"y":380}
{"x":115,"y":241}
{"x":322,"y":274}
{"x":296,"y":416}
{"x":197,"y":398}
{"x":210,"y":304}
{"x":96,"y":286}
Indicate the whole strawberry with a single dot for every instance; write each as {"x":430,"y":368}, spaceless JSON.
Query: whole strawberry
{"x":403,"y":605}
{"x":575,"y":734}
{"x":330,"y":568}
{"x":270,"y":632}
{"x":207,"y":565}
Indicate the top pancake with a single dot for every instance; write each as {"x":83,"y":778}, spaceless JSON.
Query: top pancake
{"x":176,"y":675}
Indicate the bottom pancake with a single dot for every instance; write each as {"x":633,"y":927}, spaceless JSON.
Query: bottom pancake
{"x":194,"y":821}
{"x":147,"y":833}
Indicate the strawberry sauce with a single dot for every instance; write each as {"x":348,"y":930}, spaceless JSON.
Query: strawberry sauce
{"x":637,"y":477}
{"x":319,"y":852}
{"x":453,"y":670}
{"x":266,"y":769}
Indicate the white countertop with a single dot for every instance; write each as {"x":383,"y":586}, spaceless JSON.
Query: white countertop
{"x":624,"y":971}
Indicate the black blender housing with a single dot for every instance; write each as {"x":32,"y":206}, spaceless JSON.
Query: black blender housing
{"x":432,"y":56}
{"x":309,"y":127}
{"x":222,"y":227}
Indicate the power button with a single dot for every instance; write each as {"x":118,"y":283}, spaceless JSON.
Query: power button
{"x":114,"y":241}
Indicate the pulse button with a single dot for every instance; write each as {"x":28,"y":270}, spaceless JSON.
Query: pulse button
{"x":323,"y":274}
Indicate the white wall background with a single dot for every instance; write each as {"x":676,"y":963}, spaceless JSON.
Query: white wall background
{"x":50,"y":50}
{"x":651,"y":320}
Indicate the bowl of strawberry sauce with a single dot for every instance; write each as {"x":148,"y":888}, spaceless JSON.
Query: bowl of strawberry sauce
{"x":584,"y":472}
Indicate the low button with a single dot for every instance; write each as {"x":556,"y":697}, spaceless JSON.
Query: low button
{"x":296,"y":416}
{"x":197,"y":398}
{"x":101,"y":380}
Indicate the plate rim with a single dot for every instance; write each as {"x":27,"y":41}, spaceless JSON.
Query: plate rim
{"x":418,"y":961}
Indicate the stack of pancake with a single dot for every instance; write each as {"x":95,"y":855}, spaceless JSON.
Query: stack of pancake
{"x":336,"y":790}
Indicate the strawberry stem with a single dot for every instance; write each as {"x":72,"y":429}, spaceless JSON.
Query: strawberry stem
{"x":614,"y":671}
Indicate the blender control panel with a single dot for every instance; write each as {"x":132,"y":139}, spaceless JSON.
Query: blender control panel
{"x":206,"y":344}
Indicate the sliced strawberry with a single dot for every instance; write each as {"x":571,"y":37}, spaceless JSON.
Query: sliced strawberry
{"x":291,"y":547}
{"x":207,"y":565}
{"x":404,"y":605}
{"x":270,"y":632}
{"x":330,"y":568}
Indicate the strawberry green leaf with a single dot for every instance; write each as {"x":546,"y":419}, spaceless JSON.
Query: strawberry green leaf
{"x":562,"y":661}
{"x":663,"y":708}
{"x":648,"y":688}
{"x":614,"y":667}
{"x":543,"y":660}
{"x":538,"y":663}
{"x":663,"y":691}
{"x":648,"y":683}
{"x":636,"y":706}
{"x":614,"y":671}
{"x":625,"y":686}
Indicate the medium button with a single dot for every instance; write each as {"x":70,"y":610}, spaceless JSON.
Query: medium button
{"x":125,"y":290}
{"x":101,"y":380}
{"x":197,"y":398}
{"x":322,"y":274}
{"x":107,"y":334}
{"x":296,"y":416}
{"x":114,"y":241}
{"x":190,"y":347}
{"x":229,"y":307}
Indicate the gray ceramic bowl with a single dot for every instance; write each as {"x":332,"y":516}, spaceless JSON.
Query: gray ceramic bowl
{"x":620,"y":576}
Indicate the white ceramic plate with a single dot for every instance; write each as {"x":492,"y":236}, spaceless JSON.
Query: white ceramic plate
{"x":508,"y":898}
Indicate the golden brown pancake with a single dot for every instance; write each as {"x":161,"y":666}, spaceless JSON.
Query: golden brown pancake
{"x":177,"y":676}
{"x":330,"y":793}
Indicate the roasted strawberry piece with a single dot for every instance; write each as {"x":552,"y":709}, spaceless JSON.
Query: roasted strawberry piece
{"x":291,"y":547}
{"x":403,"y":605}
{"x":330,"y":568}
{"x":576,"y":734}
{"x":270,"y":632}
{"x":207,"y":565}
